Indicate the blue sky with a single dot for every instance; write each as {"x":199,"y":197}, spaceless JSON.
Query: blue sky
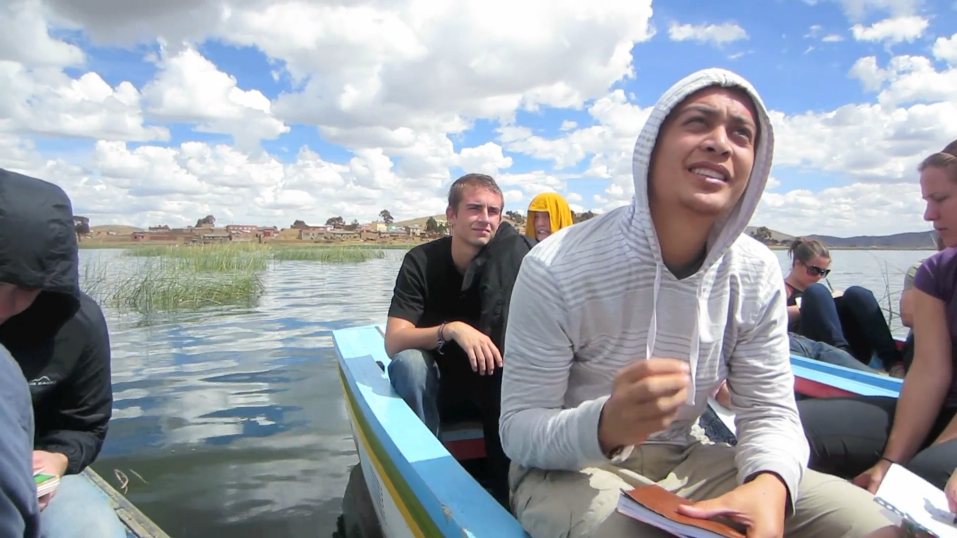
{"x":258,"y":90}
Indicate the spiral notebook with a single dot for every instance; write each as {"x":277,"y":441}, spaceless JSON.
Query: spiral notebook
{"x":917,"y":501}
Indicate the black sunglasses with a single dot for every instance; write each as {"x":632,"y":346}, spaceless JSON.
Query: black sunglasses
{"x":814,"y":270}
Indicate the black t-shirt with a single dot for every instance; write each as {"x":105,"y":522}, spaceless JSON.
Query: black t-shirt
{"x":428,"y":289}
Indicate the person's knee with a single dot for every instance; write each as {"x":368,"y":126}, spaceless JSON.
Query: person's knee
{"x":410,"y":368}
{"x":575,"y":504}
{"x":858,"y":295}
{"x":815,"y":292}
{"x":79,"y":510}
{"x":935,"y":464}
{"x":830,"y":506}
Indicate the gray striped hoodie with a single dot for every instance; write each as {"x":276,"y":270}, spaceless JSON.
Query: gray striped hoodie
{"x":596,"y":296}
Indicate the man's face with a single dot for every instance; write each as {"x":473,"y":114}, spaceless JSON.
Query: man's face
{"x":705,"y":151}
{"x":14,"y":300}
{"x":477,"y":217}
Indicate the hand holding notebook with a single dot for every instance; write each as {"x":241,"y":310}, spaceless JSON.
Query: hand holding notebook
{"x":917,"y":502}
{"x":658,"y":507}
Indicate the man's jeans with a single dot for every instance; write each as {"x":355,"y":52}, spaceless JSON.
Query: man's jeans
{"x":79,"y":510}
{"x":853,"y":323}
{"x":819,"y":351}
{"x":416,"y":376}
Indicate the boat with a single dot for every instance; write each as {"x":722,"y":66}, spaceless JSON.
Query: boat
{"x":136,"y":523}
{"x":423,"y":486}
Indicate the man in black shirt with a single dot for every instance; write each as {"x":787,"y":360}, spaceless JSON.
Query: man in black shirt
{"x":445,"y":330}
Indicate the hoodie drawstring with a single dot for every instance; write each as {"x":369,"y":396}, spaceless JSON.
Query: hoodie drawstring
{"x":653,"y":329}
{"x":695,"y":336}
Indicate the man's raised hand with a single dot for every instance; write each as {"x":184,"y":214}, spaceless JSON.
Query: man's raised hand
{"x":645,"y":398}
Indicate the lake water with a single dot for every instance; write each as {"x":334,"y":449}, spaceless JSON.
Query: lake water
{"x":235,"y":420}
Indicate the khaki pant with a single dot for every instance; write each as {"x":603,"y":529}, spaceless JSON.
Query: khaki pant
{"x":552,"y":504}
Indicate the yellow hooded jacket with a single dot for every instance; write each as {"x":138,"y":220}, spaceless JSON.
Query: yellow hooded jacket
{"x":559,"y":214}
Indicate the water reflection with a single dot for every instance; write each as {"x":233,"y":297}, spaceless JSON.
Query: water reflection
{"x":234,"y":418}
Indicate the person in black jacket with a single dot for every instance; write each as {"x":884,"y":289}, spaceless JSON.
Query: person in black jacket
{"x":19,"y":511}
{"x":446,"y":324}
{"x":58,"y":336}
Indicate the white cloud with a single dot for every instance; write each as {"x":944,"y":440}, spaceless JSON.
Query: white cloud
{"x":25,"y":37}
{"x":832,"y":38}
{"x":485,"y":159}
{"x":892,"y":31}
{"x":814,"y":31}
{"x":907,"y":79}
{"x":189,"y":88}
{"x":396,"y":82}
{"x":945,"y":48}
{"x":38,"y":97}
{"x":857,"y":9}
{"x":715,"y":34}
{"x":856,"y":209}
{"x":46,"y":101}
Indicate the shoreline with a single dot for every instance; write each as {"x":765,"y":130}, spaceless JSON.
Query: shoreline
{"x":91,"y":244}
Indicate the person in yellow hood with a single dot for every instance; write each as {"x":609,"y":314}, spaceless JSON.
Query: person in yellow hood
{"x":547,"y":214}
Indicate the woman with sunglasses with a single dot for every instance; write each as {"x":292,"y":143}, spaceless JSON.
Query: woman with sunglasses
{"x":860,"y":437}
{"x":852,"y":322}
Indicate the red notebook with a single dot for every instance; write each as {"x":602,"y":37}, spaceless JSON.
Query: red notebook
{"x":658,"y":507}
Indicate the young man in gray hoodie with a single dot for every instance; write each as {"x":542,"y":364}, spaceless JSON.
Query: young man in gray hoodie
{"x":622,"y":327}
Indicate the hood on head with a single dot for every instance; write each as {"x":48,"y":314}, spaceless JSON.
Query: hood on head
{"x":730,"y":225}
{"x":38,"y":250}
{"x":559,"y":214}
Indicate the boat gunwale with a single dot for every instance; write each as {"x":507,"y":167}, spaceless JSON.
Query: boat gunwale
{"x":449,"y":495}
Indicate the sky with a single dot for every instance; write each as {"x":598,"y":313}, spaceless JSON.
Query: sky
{"x":264,"y":112}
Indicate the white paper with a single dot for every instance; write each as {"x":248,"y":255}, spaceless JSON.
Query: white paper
{"x":725,"y":414}
{"x":918,"y":500}
{"x":627,"y":506}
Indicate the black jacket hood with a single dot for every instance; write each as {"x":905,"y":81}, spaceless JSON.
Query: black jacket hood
{"x":38,"y":249}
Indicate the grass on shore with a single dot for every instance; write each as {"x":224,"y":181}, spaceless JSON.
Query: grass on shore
{"x":252,"y":256}
{"x":327,"y":255}
{"x":218,"y":258}
{"x":168,"y":285}
{"x":187,"y":278}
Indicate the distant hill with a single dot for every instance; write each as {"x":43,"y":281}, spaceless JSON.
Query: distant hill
{"x":916,"y":240}
{"x":420,"y":221}
{"x":118,"y":229}
{"x":775,"y":235}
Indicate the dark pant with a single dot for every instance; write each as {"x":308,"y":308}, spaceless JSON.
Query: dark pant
{"x":854,"y":323}
{"x":848,"y":434}
{"x":439,"y":390}
{"x":819,"y":351}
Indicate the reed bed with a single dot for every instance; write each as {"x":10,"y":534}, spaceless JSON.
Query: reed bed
{"x":183,"y":278}
{"x":220,"y":258}
{"x":168,"y":285}
{"x":327,"y":254}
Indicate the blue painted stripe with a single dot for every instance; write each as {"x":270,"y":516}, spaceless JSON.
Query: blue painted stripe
{"x":856,"y":381}
{"x":454,"y":500}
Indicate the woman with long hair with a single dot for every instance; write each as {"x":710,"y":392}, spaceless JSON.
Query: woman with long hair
{"x":860,"y":437}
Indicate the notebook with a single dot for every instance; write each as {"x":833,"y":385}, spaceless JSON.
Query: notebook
{"x":45,"y":482}
{"x":918,"y":502}
{"x":657,"y":506}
